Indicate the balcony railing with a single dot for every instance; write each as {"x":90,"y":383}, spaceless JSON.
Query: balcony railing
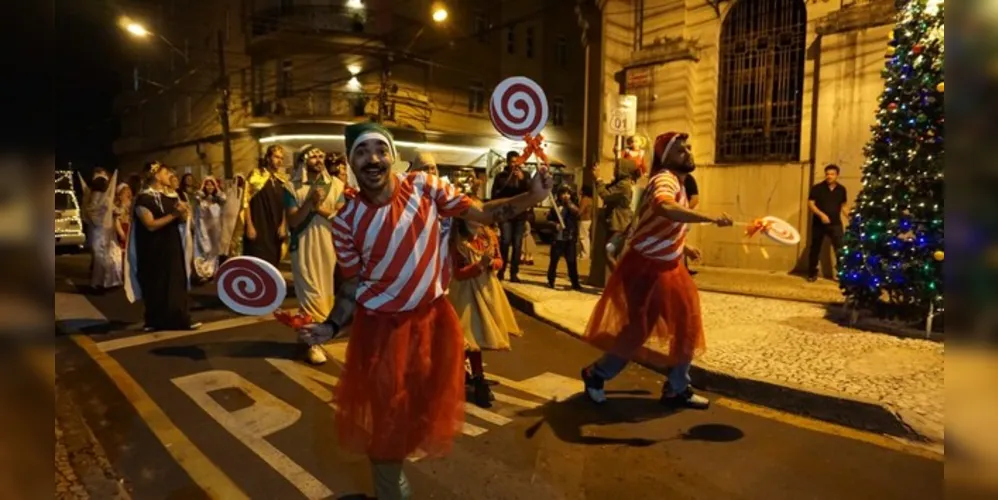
{"x":312,"y":19}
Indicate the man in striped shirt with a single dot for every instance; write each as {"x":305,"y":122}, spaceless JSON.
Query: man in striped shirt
{"x":650,"y":293}
{"x":401,"y":389}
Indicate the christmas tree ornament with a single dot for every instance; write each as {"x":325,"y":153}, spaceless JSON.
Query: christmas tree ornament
{"x":917,"y":49}
{"x":941,"y":87}
{"x":891,"y":51}
{"x":939,"y":255}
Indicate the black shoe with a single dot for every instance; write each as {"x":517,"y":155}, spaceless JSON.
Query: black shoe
{"x":685,"y":399}
{"x":593,"y":385}
{"x":692,"y":272}
{"x":577,"y":288}
{"x":514,"y":279}
{"x":812,"y":279}
{"x":148,"y":329}
{"x":482,"y":393}
{"x":195,"y":326}
{"x":551,"y":286}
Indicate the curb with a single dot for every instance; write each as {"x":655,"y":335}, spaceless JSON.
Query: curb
{"x":848,"y":412}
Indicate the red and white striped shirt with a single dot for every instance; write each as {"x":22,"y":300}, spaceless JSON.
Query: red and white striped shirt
{"x":657,"y":237}
{"x":396,"y":249}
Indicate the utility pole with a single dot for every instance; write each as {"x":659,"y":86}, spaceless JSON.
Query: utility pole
{"x":223,"y":108}
{"x":383,"y":91}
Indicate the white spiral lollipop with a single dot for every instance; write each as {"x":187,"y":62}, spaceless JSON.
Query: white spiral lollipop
{"x":250,"y":286}
{"x":518,"y":108}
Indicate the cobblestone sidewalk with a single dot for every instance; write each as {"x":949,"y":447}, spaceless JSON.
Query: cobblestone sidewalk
{"x":791,"y":344}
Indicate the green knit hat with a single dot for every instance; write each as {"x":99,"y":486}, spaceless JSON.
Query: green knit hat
{"x":360,"y":132}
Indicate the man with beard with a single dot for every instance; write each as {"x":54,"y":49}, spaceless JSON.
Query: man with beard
{"x":509,"y":183}
{"x":401,"y":389}
{"x":265,"y":225}
{"x":650,"y":293}
{"x":312,"y":197}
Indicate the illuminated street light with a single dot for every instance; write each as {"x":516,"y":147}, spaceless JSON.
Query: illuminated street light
{"x":439,"y":14}
{"x":136,"y":29}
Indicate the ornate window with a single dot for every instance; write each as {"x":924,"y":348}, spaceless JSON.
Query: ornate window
{"x":761,"y":81}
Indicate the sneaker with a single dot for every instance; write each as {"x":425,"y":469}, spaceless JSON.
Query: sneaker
{"x":195,"y":326}
{"x":577,"y":287}
{"x":594,"y":386}
{"x":552,"y":286}
{"x":812,"y":279}
{"x":686,"y":399}
{"x":514,"y":279}
{"x":148,"y":329}
{"x":316,"y":355}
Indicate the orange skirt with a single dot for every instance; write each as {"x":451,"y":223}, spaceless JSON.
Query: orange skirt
{"x":646,"y":300}
{"x":402,"y":388}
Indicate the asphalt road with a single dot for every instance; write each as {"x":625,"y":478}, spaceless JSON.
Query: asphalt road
{"x":231,"y":411}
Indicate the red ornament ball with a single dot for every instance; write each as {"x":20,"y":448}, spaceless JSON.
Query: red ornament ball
{"x":917,"y":49}
{"x":892,"y":106}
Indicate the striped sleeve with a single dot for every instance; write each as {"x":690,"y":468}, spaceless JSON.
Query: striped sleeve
{"x":347,"y":256}
{"x":665,"y":188}
{"x":450,"y":203}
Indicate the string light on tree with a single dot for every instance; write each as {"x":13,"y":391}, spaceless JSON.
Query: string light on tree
{"x":892,"y":259}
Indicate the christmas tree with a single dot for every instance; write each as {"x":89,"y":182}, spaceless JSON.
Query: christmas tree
{"x":892,"y":257}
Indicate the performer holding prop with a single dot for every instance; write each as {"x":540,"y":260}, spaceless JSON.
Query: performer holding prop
{"x":401,"y":389}
{"x":650,"y":294}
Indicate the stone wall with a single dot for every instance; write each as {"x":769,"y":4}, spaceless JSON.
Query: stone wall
{"x":842,"y":85}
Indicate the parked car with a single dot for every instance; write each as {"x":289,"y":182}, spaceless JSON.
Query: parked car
{"x":68,"y":224}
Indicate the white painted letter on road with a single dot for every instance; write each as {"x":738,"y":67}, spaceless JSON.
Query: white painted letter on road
{"x":251,"y":425}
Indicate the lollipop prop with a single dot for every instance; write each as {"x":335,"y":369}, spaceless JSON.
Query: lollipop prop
{"x":250,"y":286}
{"x":519,"y":110}
{"x":774,"y":228}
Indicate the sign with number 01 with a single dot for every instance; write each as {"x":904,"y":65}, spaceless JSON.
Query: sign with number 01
{"x":622,"y":118}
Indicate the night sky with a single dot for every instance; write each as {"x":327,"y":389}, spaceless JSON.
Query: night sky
{"x":86,"y":80}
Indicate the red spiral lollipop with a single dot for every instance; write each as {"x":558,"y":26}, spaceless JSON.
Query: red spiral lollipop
{"x":250,"y":286}
{"x":518,"y":108}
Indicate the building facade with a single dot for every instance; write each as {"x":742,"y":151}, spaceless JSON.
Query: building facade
{"x":299,"y":71}
{"x":770,"y":92}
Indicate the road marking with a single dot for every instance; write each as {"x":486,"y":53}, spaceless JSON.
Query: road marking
{"x":488,"y":416}
{"x":832,"y":429}
{"x":513,"y":400}
{"x":162,"y":336}
{"x":202,"y":471}
{"x":267,"y":415}
{"x":308,"y":378}
{"x":547,"y":386}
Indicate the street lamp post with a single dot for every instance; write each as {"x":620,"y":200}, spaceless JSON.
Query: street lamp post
{"x":139,"y":31}
{"x":438,"y":14}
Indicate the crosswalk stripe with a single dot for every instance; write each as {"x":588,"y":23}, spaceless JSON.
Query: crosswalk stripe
{"x":488,"y":416}
{"x":472,"y":430}
{"x":160,"y":336}
{"x":513,"y":400}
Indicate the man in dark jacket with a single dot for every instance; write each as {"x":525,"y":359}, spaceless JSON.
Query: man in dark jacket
{"x":566,"y":238}
{"x":509,"y":183}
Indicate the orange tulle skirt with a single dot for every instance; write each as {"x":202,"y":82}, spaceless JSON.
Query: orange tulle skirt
{"x":402,"y":389}
{"x":648,"y":302}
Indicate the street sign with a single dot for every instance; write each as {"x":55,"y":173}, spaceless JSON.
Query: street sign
{"x":622,"y":118}
{"x":638,"y":77}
